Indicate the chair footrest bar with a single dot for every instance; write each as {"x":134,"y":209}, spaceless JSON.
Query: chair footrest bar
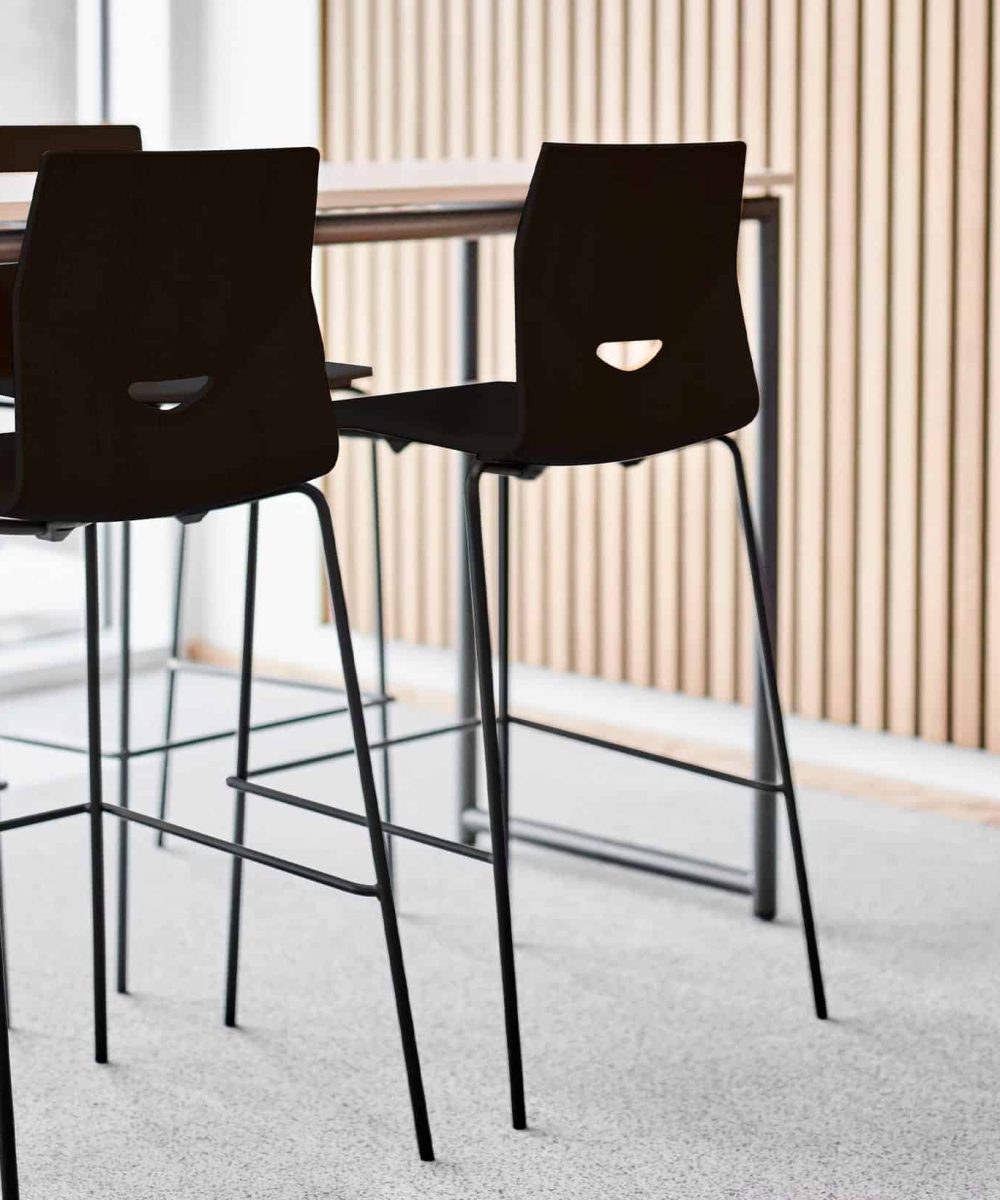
{"x":50,"y":814}
{"x":256,"y":727}
{"x":44,"y":743}
{"x":200,"y":739}
{"x":330,"y":755}
{"x":758,"y":785}
{"x":306,"y":685}
{"x":254,"y":856}
{"x":343,"y":814}
{"x":623,"y":854}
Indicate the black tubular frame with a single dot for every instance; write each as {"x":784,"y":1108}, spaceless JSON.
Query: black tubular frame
{"x":242,"y":782}
{"x":96,"y":808}
{"x":496,"y":731}
{"x":125,"y":752}
{"x":474,"y":220}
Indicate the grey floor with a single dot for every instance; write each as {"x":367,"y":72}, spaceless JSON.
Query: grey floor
{"x":670,"y":1048}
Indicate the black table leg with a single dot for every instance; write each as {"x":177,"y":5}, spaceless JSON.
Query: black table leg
{"x":466,"y":703}
{"x":765,"y":810}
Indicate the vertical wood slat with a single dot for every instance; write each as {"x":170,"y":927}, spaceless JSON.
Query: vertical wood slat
{"x":668,"y":107}
{"x":784,"y":58}
{"x":972,"y":129}
{"x":533,"y":496}
{"x":586,"y":634}
{"x":558,"y":620}
{"x":936,"y":375}
{"x":889,"y":520}
{"x":906,"y":181}
{"x":841,"y":361}
{"x":754,"y":121}
{"x":722,"y":599}
{"x":992,"y":659}
{"x":639,"y":598}
{"x":812,"y":192}
{"x":610,"y":478}
{"x":873,"y":332}
{"x":694,"y":466}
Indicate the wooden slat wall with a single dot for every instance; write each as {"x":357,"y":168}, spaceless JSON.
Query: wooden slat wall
{"x":886,"y":111}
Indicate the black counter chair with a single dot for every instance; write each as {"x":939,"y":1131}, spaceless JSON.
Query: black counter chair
{"x":161,"y":370}
{"x":616,"y":244}
{"x":21,"y":149}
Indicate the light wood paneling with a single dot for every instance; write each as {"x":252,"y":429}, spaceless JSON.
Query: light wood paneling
{"x":906,"y":184}
{"x":841,"y":360}
{"x":812,"y":205}
{"x":971,"y":206}
{"x":871,"y":591}
{"x":936,"y":367}
{"x":885,"y":112}
{"x":992,"y":657}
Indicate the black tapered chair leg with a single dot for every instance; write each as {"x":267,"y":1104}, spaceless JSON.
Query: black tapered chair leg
{"x":3,"y":939}
{"x":96,"y":811}
{"x":494,"y":789}
{"x":242,"y":762}
{"x":777,"y":722}
{"x":124,"y":742}
{"x":175,"y":646}
{"x":503,"y":640}
{"x":9,"y":1188}
{"x":376,"y":837}
{"x":380,"y":650}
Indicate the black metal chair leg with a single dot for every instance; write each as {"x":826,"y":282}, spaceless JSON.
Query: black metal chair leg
{"x":124,"y":720}
{"x":380,"y":649}
{"x":96,"y":811}
{"x":494,"y":788}
{"x":374,"y":820}
{"x":242,"y":762}
{"x":175,"y":646}
{"x":3,"y":940}
{"x":503,"y":640}
{"x":766,"y":654}
{"x":9,"y":1188}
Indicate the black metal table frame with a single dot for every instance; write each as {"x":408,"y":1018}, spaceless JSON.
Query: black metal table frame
{"x":470,"y":221}
{"x":760,"y":880}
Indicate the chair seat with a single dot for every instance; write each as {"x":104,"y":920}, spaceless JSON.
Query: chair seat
{"x":8,"y":467}
{"x":476,"y":418}
{"x":341,"y":375}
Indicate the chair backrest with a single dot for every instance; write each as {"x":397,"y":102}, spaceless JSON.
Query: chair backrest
{"x":22,"y":146}
{"x":620,"y":244}
{"x":21,"y":149}
{"x":192,"y":268}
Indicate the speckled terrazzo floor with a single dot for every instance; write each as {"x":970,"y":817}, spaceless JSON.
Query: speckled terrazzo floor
{"x":669,"y":1045}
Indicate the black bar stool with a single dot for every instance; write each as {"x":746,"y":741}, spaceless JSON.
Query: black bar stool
{"x":161,"y":370}
{"x":616,"y":244}
{"x":21,"y":149}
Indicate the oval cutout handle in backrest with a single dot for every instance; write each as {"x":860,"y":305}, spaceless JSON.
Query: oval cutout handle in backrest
{"x":169,"y":394}
{"x":629,"y":356}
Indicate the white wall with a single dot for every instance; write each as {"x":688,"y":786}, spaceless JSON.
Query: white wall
{"x":38,"y":77}
{"x":192,"y":74}
{"x":247,"y":73}
{"x":214,"y":74}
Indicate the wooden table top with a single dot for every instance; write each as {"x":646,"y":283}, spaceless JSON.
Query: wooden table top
{"x":390,"y":185}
